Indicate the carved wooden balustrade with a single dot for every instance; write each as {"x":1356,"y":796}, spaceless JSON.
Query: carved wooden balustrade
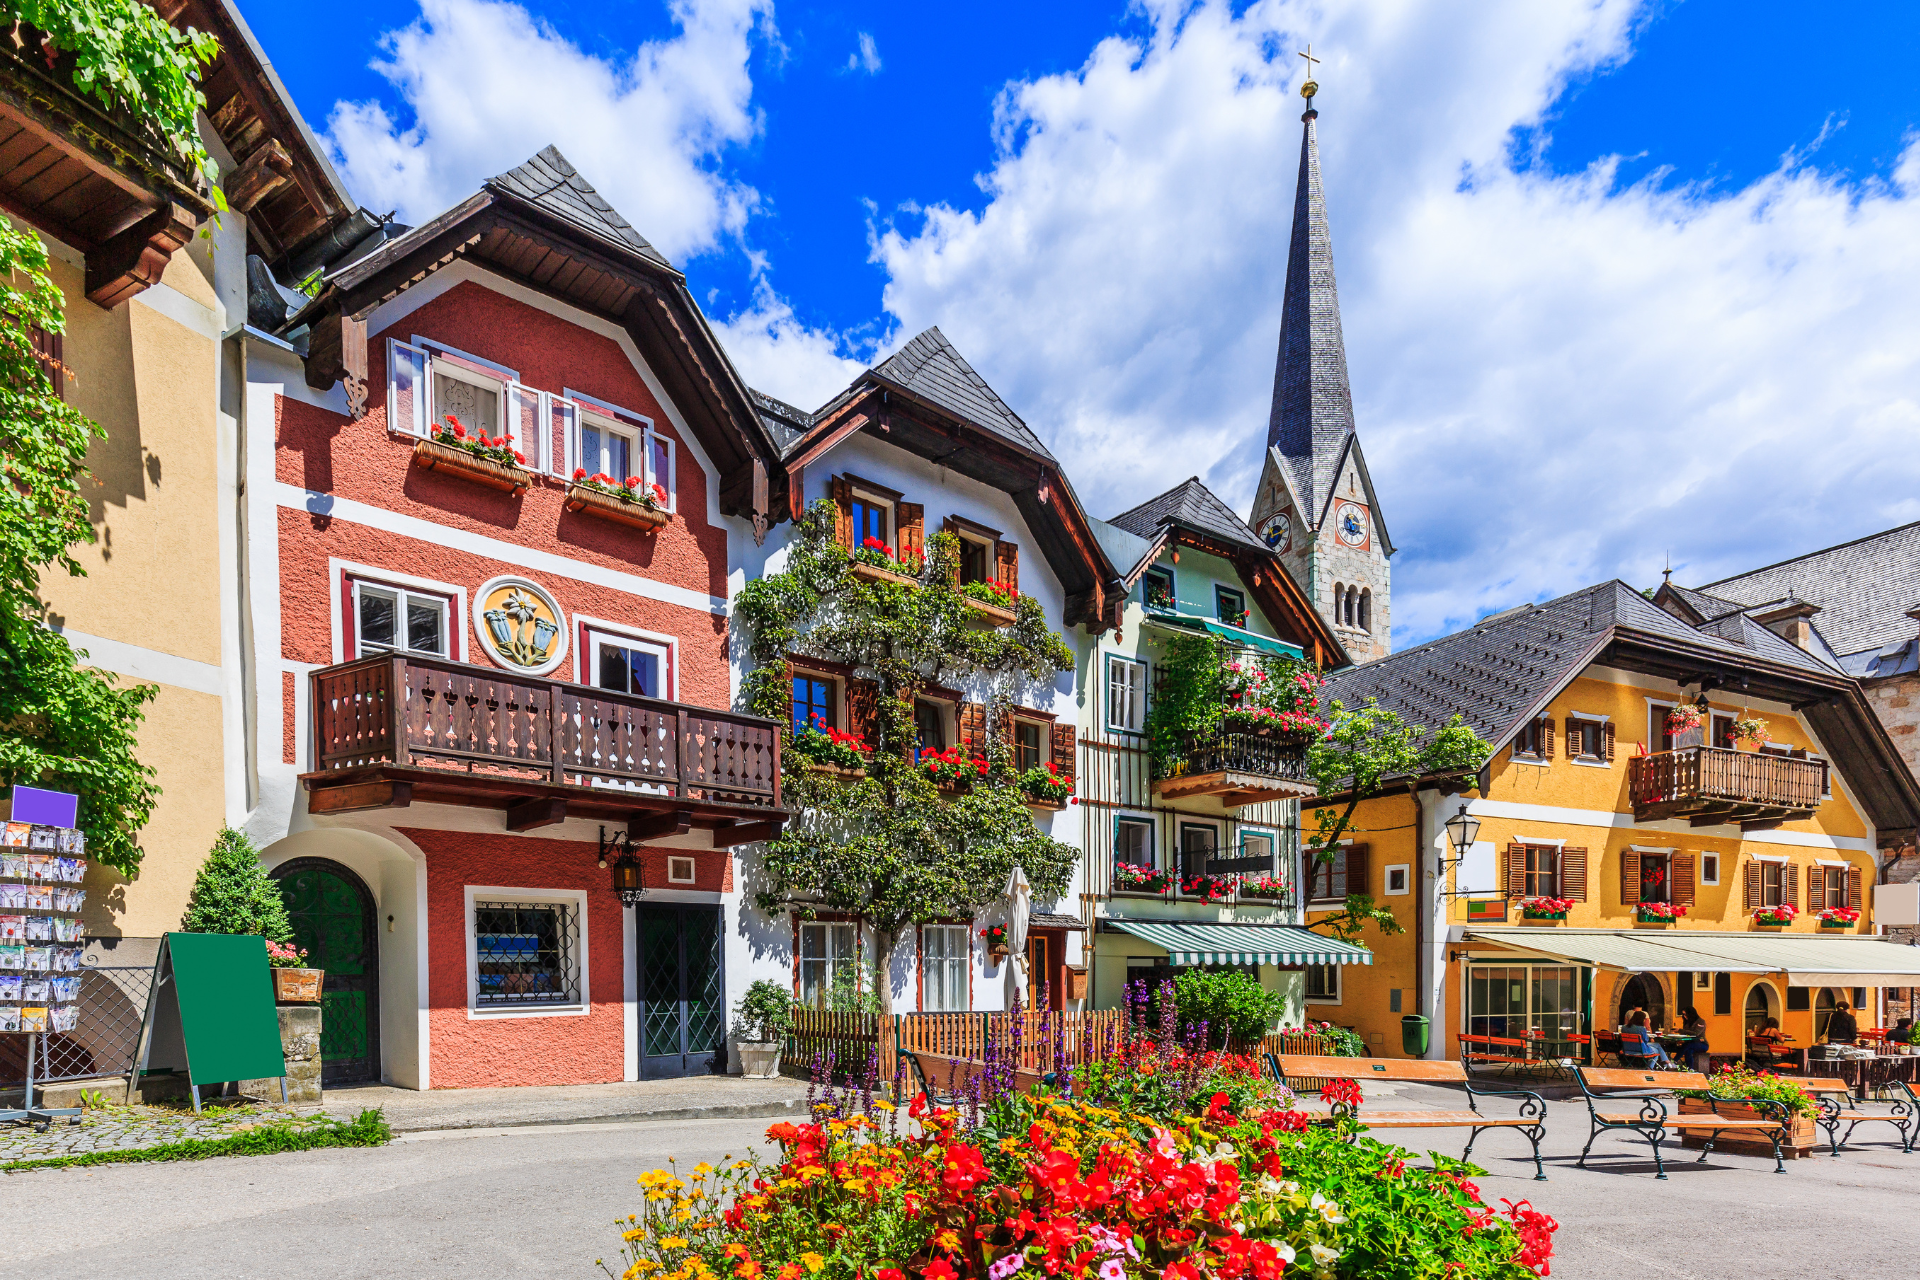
{"x":1239,"y":768}
{"x":426,"y":713}
{"x":1714,"y":785}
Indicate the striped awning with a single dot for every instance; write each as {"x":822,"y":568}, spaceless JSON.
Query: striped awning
{"x":1201,"y":943}
{"x":1238,"y":635}
{"x":1808,"y":960}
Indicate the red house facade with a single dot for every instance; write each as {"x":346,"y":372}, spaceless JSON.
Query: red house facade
{"x":491,"y":475}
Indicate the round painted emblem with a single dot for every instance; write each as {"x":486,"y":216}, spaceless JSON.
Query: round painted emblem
{"x":520,"y":625}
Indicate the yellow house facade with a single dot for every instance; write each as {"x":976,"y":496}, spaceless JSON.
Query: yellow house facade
{"x":1622,"y":856}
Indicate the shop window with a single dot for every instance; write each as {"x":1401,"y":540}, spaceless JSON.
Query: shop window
{"x":527,"y":954}
{"x":828,"y":963}
{"x":628,"y":666}
{"x":1133,"y":842}
{"x":1156,"y":589}
{"x":813,"y":704}
{"x":1323,"y":984}
{"x":945,"y":955}
{"x":1027,"y":746}
{"x":1521,"y":1001}
{"x":1126,"y":694}
{"x":395,"y":620}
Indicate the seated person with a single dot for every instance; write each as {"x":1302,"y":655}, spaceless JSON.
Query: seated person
{"x":1763,"y":1045}
{"x":1694,"y":1051}
{"x":1902,"y":1032}
{"x":1841,"y":1028}
{"x":1638,"y":1048}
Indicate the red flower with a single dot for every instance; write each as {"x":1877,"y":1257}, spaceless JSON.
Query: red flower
{"x":1217,"y":1110}
{"x":918,"y":1107}
{"x":520,"y":457}
{"x":579,"y":473}
{"x":891,"y":1273}
{"x":660,"y":493}
{"x":964,"y":1170}
{"x":633,"y":482}
{"x":459,"y":432}
{"x":938,"y":1269}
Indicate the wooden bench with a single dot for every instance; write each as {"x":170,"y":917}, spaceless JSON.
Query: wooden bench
{"x":1653,"y":1121}
{"x":1533,"y":1108}
{"x":1837,"y":1108}
{"x":1487,"y":1049}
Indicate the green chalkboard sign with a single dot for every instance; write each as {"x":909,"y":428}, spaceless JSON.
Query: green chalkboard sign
{"x":210,"y":1014}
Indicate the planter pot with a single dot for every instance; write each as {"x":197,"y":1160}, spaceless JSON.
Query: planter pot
{"x":872,"y":574}
{"x":1543,"y":915}
{"x":1138,"y":891}
{"x":991,"y":614}
{"x":760,"y":1059}
{"x":1801,"y":1137}
{"x":1036,"y":802}
{"x":605,"y":506}
{"x":444,"y":458}
{"x":833,"y":771}
{"x":1771,"y":924}
{"x":1837,"y":924}
{"x":1643,"y":918}
{"x":296,"y":986}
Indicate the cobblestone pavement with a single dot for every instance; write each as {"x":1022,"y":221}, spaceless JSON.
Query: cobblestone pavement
{"x":117,"y":1128}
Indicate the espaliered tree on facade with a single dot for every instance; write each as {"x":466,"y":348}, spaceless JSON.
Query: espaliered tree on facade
{"x":1364,"y":748}
{"x":894,"y":847}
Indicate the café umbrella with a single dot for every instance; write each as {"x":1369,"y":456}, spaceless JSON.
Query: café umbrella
{"x":1019,"y":895}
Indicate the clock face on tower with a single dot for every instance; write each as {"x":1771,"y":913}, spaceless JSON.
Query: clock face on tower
{"x":1350,"y":524}
{"x":1277,"y":532}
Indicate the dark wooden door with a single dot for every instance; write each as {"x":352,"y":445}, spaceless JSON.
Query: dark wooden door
{"x":682,"y":981}
{"x":333,"y":920}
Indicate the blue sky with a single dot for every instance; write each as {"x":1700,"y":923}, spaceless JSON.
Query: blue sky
{"x":1583,"y":238}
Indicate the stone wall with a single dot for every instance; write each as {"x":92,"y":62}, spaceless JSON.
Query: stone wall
{"x":1896,"y":701}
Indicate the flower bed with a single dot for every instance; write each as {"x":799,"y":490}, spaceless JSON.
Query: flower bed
{"x":1046,"y":785}
{"x":1128,"y":878}
{"x":1774,"y":917}
{"x":1742,"y":1082}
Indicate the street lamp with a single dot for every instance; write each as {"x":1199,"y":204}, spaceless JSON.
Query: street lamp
{"x":1462,"y":830}
{"x":626,"y":881}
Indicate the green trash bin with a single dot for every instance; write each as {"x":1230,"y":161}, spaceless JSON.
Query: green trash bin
{"x":1413,"y":1035}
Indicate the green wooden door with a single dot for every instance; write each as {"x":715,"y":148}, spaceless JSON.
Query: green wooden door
{"x":683,"y":1013}
{"x":333,"y":920}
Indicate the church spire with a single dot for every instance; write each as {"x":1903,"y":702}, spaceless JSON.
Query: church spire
{"x":1312,"y":412}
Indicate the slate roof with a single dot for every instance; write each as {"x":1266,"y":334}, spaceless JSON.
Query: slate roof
{"x":1126,"y":550}
{"x":930,"y":368}
{"x":1499,"y":671}
{"x":784,"y":423}
{"x":1312,"y":413}
{"x":1707,"y":606}
{"x":553,"y":185}
{"x":1864,"y":588}
{"x":1192,"y":504}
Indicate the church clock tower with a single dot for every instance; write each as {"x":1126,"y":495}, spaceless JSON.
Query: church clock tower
{"x":1316,"y":506}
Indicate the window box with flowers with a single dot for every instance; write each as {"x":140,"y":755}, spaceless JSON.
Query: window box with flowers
{"x":996,"y":936}
{"x":827,"y":750}
{"x":991,"y":602}
{"x":633,"y":503}
{"x":1545,"y":908}
{"x":1839,"y":918}
{"x":1658,"y":912}
{"x":1208,"y":888}
{"x":1130,"y":878}
{"x":952,"y":769}
{"x":1046,"y":787}
{"x":1775,"y":917}
{"x":874,"y":560}
{"x":1266,"y":886}
{"x":475,"y":456}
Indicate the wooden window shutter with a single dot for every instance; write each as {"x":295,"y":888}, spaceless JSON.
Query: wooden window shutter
{"x":971,"y":722}
{"x":842,"y":492}
{"x":1359,"y":868}
{"x":863,"y":710}
{"x":1683,"y":879}
{"x":1516,"y":871}
{"x":48,"y":349}
{"x":911,"y":541}
{"x":1063,"y":746}
{"x":1750,"y":889}
{"x":1609,"y":732}
{"x":1573,"y":874}
{"x":1816,"y":887}
{"x":1790,"y":885}
{"x":1546,"y":737}
{"x":1006,"y":564}
{"x":1629,"y":877}
{"x":1853,"y":887}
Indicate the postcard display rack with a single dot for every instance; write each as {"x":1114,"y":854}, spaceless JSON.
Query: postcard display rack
{"x":41,"y":868}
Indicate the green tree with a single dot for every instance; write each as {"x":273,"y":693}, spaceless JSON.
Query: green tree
{"x":232,"y":893}
{"x":1363,"y":749}
{"x":891,"y":848}
{"x":1233,"y":1005}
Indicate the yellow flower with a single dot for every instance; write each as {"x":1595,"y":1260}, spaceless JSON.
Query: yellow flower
{"x":884,"y":1105}
{"x":702,"y":1169}
{"x":673,"y":1242}
{"x":638,"y":1233}
{"x":948,"y":1240}
{"x":814,"y":1262}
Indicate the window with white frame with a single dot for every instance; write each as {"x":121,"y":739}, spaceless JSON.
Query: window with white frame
{"x":466,"y":396}
{"x":1323,"y":984}
{"x":1133,"y":842}
{"x":680,"y":871}
{"x":1126,"y":694}
{"x":1709,"y":868}
{"x":396,"y":620}
{"x":944,"y":952}
{"x":430,"y":387}
{"x":827,"y":962}
{"x":624,"y":448}
{"x":526,"y":954}
{"x":626,"y":665}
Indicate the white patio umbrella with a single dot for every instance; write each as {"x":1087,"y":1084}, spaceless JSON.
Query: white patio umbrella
{"x":1019,"y":906}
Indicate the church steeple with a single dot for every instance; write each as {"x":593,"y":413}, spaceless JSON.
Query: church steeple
{"x":1312,"y":404}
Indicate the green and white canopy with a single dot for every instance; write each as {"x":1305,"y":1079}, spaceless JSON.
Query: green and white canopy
{"x":1194,"y":942}
{"x":1238,"y":635}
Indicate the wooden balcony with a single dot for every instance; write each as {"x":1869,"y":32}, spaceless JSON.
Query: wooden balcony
{"x":1240,"y":768}
{"x":391,"y":730}
{"x":1714,"y":785}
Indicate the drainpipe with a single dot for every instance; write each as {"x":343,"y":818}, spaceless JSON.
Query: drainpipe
{"x":1430,"y":920}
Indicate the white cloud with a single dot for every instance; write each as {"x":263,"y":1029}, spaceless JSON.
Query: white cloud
{"x":866,"y":58}
{"x":1556,"y":381}
{"x":779,"y":355}
{"x":487,"y":85}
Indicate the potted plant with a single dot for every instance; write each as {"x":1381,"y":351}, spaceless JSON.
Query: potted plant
{"x":1775,"y":917}
{"x":1128,"y":878}
{"x":1208,"y":887}
{"x":1545,"y":908}
{"x":1684,"y":718}
{"x":874,"y":560}
{"x":953,"y":767}
{"x":1749,"y":732}
{"x":992,"y":602}
{"x":474,"y":455}
{"x":1046,"y":786}
{"x":293,"y":982}
{"x":996,"y":936}
{"x":1838,"y":918}
{"x":824,"y":749}
{"x":1739,"y":1092}
{"x":1659,"y":912}
{"x":1263,"y":885}
{"x":762,"y":1021}
{"x":632,"y":503}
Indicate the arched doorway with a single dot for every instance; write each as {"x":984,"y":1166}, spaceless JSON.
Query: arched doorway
{"x":1644,"y":991}
{"x":333,"y":919}
{"x":1824,"y":1003}
{"x":1761,"y":1005}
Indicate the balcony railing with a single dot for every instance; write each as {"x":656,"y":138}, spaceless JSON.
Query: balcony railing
{"x":487,"y":726}
{"x":1240,"y":768}
{"x":1714,"y":785}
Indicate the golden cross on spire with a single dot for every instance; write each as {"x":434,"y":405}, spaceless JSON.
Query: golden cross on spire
{"x":1307,"y":89}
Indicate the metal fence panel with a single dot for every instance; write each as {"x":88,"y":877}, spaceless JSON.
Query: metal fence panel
{"x":113,"y":1001}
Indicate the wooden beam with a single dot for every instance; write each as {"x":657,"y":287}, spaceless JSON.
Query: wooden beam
{"x":359,"y":796}
{"x":541,"y":811}
{"x":745,"y":833}
{"x":652,"y":826}
{"x":133,"y":260}
{"x":264,"y":172}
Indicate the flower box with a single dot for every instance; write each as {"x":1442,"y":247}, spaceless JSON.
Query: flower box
{"x":1530,"y":914}
{"x":605,"y":506}
{"x":874,"y":573}
{"x":431,"y":455}
{"x":1643,"y":917}
{"x":1037,"y":802}
{"x":296,"y":986}
{"x":1800,"y":1139}
{"x":991,"y":614}
{"x":1836,"y":924}
{"x":833,"y":770}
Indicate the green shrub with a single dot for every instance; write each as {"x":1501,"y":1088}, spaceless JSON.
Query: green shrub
{"x":232,"y":893}
{"x":1233,"y":1005}
{"x":765,"y":1012}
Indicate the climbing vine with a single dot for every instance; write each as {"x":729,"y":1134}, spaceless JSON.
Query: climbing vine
{"x":893,"y":847}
